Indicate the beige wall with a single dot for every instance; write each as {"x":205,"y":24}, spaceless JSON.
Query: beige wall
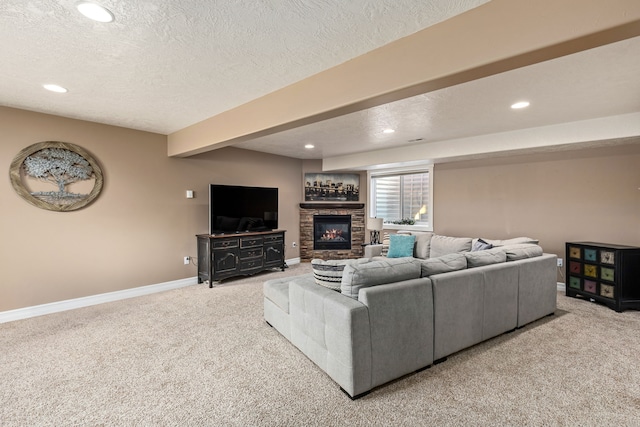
{"x":138,"y":230}
{"x":585,"y":195}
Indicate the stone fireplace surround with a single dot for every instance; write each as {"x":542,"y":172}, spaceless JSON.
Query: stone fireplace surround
{"x":308,"y":210}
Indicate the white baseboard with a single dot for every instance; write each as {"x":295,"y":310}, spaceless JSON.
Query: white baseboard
{"x":55,"y":307}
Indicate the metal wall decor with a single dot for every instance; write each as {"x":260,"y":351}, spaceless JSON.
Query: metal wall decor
{"x":60,"y":164}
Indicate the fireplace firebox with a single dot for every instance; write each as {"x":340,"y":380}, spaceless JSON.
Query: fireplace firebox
{"x":331,"y":232}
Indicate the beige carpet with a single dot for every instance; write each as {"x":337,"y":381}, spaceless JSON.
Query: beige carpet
{"x":205,"y":357}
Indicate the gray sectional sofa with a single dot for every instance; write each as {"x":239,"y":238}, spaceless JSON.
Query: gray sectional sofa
{"x":394,"y":316}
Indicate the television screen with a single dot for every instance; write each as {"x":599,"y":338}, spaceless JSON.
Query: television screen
{"x":235,"y":208}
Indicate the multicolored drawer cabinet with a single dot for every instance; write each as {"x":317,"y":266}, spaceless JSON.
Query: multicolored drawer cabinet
{"x":604,"y":272}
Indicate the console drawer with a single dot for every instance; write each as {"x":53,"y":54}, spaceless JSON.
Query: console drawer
{"x":251,"y":253}
{"x":274,"y":238}
{"x":251,"y":242}
{"x":590,"y":286}
{"x":251,"y":264}
{"x":607,"y":291}
{"x":224,"y":243}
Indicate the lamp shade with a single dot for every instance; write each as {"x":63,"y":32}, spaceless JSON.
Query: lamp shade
{"x":375,"y":224}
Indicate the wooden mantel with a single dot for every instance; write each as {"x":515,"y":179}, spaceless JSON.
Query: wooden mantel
{"x":320,"y":205}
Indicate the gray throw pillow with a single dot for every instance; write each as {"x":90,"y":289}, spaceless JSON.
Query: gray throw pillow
{"x":328,"y":273}
{"x":443,"y":264}
{"x":423,"y":244}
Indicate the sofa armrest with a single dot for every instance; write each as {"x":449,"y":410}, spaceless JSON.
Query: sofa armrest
{"x":537,"y":288}
{"x":401,"y":319}
{"x":371,"y":251}
{"x":333,"y":331}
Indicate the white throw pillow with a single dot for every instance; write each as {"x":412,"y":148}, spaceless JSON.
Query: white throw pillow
{"x":328,"y":273}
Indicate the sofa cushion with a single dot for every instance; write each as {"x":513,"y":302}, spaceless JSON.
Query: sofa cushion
{"x":277,"y":291}
{"x":358,"y":276}
{"x":485,"y":257}
{"x":443,"y":245}
{"x":521,"y":251}
{"x":422,"y":248}
{"x":401,"y":245}
{"x":443,"y":264}
{"x":328,"y":273}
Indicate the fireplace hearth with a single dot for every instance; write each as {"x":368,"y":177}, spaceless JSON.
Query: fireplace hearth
{"x":331,"y":232}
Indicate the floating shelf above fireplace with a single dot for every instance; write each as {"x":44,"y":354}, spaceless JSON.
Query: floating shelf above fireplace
{"x":332,"y":205}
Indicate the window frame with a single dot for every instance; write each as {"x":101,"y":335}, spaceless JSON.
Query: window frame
{"x":402,"y":171}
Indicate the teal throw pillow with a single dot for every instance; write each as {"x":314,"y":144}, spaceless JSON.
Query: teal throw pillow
{"x":401,"y":245}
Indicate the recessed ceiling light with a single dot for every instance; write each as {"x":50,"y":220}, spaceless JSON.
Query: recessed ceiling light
{"x":55,"y":88}
{"x":388,"y":131}
{"x":95,"y":11}
{"x":521,"y":104}
{"x":309,"y":146}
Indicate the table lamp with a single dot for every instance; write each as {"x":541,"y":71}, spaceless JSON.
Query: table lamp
{"x":374,"y":225}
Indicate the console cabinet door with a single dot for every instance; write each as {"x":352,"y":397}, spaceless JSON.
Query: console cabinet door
{"x":224,"y":257}
{"x":274,"y":254}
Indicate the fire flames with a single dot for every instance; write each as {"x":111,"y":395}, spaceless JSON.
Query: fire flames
{"x":332,"y":234}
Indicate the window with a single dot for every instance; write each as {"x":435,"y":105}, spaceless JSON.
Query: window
{"x":402,"y":197}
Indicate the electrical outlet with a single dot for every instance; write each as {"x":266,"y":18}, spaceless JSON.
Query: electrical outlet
{"x":560,"y":262}
{"x":186,"y":260}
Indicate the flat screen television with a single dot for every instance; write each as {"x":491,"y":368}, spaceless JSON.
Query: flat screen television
{"x":234,"y":208}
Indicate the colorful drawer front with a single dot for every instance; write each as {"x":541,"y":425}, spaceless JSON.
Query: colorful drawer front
{"x":608,"y":257}
{"x":590,"y":254}
{"x":574,"y":252}
{"x":607,"y":274}
{"x":607,"y":291}
{"x":590,"y":270}
{"x":574,"y":282}
{"x":574,"y":267}
{"x":590,"y":286}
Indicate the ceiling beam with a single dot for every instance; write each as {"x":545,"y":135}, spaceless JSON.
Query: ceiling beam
{"x":622,"y":129}
{"x":498,"y":36}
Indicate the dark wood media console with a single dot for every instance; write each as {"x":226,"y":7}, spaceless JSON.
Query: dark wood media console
{"x":225,"y":255}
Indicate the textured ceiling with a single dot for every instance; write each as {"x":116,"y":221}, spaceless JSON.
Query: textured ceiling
{"x":600,"y":82}
{"x":164,"y":65}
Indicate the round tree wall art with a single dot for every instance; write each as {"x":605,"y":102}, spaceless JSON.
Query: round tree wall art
{"x":57,"y":176}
